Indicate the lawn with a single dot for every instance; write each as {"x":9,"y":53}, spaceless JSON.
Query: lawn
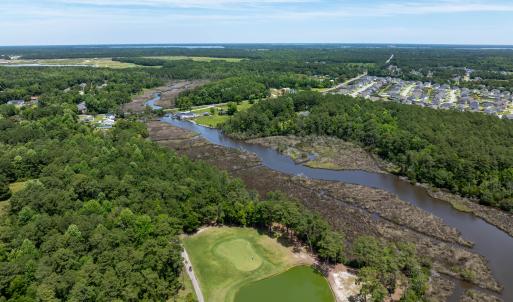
{"x":299,"y":284}
{"x":226,"y":259}
{"x":215,"y":119}
{"x":212,"y":120}
{"x":198,"y":59}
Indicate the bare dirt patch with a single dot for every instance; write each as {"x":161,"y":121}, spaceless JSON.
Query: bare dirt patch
{"x":343,"y":283}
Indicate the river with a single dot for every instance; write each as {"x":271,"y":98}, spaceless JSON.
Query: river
{"x":489,"y":241}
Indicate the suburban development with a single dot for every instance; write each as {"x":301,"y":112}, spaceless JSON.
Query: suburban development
{"x":205,"y":151}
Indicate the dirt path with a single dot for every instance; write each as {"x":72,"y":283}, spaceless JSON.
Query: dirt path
{"x":192,"y":276}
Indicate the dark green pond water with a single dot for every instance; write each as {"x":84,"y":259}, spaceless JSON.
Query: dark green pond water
{"x":299,"y":284}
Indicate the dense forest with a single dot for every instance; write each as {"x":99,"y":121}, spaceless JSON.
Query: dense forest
{"x":441,"y":64}
{"x":467,"y":153}
{"x":97,"y":214}
{"x":236,"y":89}
{"x":103,"y":90}
{"x":101,"y":211}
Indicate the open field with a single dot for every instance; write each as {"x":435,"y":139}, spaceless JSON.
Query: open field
{"x":198,"y":59}
{"x":226,"y":259}
{"x":215,"y":119}
{"x":101,"y":62}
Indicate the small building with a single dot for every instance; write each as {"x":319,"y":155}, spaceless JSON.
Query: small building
{"x":108,"y":122}
{"x":17,"y":103}
{"x":82,"y":107}
{"x":186,"y":115}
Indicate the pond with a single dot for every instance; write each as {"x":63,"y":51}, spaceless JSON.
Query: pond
{"x":489,"y":241}
{"x":299,"y":284}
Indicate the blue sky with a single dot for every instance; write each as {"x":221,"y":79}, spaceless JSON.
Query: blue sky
{"x":43,"y":22}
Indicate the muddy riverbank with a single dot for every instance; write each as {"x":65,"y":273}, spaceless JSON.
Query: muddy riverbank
{"x":335,"y":154}
{"x":354,"y":209}
{"x":324,"y":153}
{"x":496,"y":217}
{"x":167,"y":95}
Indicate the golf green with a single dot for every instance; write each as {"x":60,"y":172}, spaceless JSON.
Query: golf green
{"x":299,"y":284}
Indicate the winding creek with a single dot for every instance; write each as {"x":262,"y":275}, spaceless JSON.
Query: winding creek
{"x":492,"y":243}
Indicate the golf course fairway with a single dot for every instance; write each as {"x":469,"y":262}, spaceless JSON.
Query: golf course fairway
{"x":299,"y":284}
{"x":226,"y":260}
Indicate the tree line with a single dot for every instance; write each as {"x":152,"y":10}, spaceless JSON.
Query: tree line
{"x":467,"y":153}
{"x":237,"y":89}
{"x":100,"y":212}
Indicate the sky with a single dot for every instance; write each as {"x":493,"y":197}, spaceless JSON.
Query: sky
{"x":67,"y":22}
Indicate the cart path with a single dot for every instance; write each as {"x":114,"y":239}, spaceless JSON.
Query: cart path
{"x":192,"y":276}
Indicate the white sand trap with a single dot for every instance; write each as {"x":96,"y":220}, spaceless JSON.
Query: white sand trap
{"x":345,"y":285}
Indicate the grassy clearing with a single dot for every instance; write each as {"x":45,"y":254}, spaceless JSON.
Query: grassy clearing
{"x":214,"y":120}
{"x":14,"y":187}
{"x":100,"y":62}
{"x":17,"y":186}
{"x":226,"y":259}
{"x":460,"y":206}
{"x":317,"y":164}
{"x":198,"y":59}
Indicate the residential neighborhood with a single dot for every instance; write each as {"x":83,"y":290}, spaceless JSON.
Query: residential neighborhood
{"x":426,"y":94}
{"x":99,"y":121}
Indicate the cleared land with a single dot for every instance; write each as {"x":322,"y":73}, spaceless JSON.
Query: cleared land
{"x":101,"y":62}
{"x":226,"y":259}
{"x":198,"y":59}
{"x":216,"y":119}
{"x":17,"y":186}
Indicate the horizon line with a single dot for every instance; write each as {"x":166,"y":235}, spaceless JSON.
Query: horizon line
{"x":253,"y":43}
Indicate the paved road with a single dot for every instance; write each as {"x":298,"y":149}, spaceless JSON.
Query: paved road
{"x":192,"y":276}
{"x":390,"y":59}
{"x":345,"y":83}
